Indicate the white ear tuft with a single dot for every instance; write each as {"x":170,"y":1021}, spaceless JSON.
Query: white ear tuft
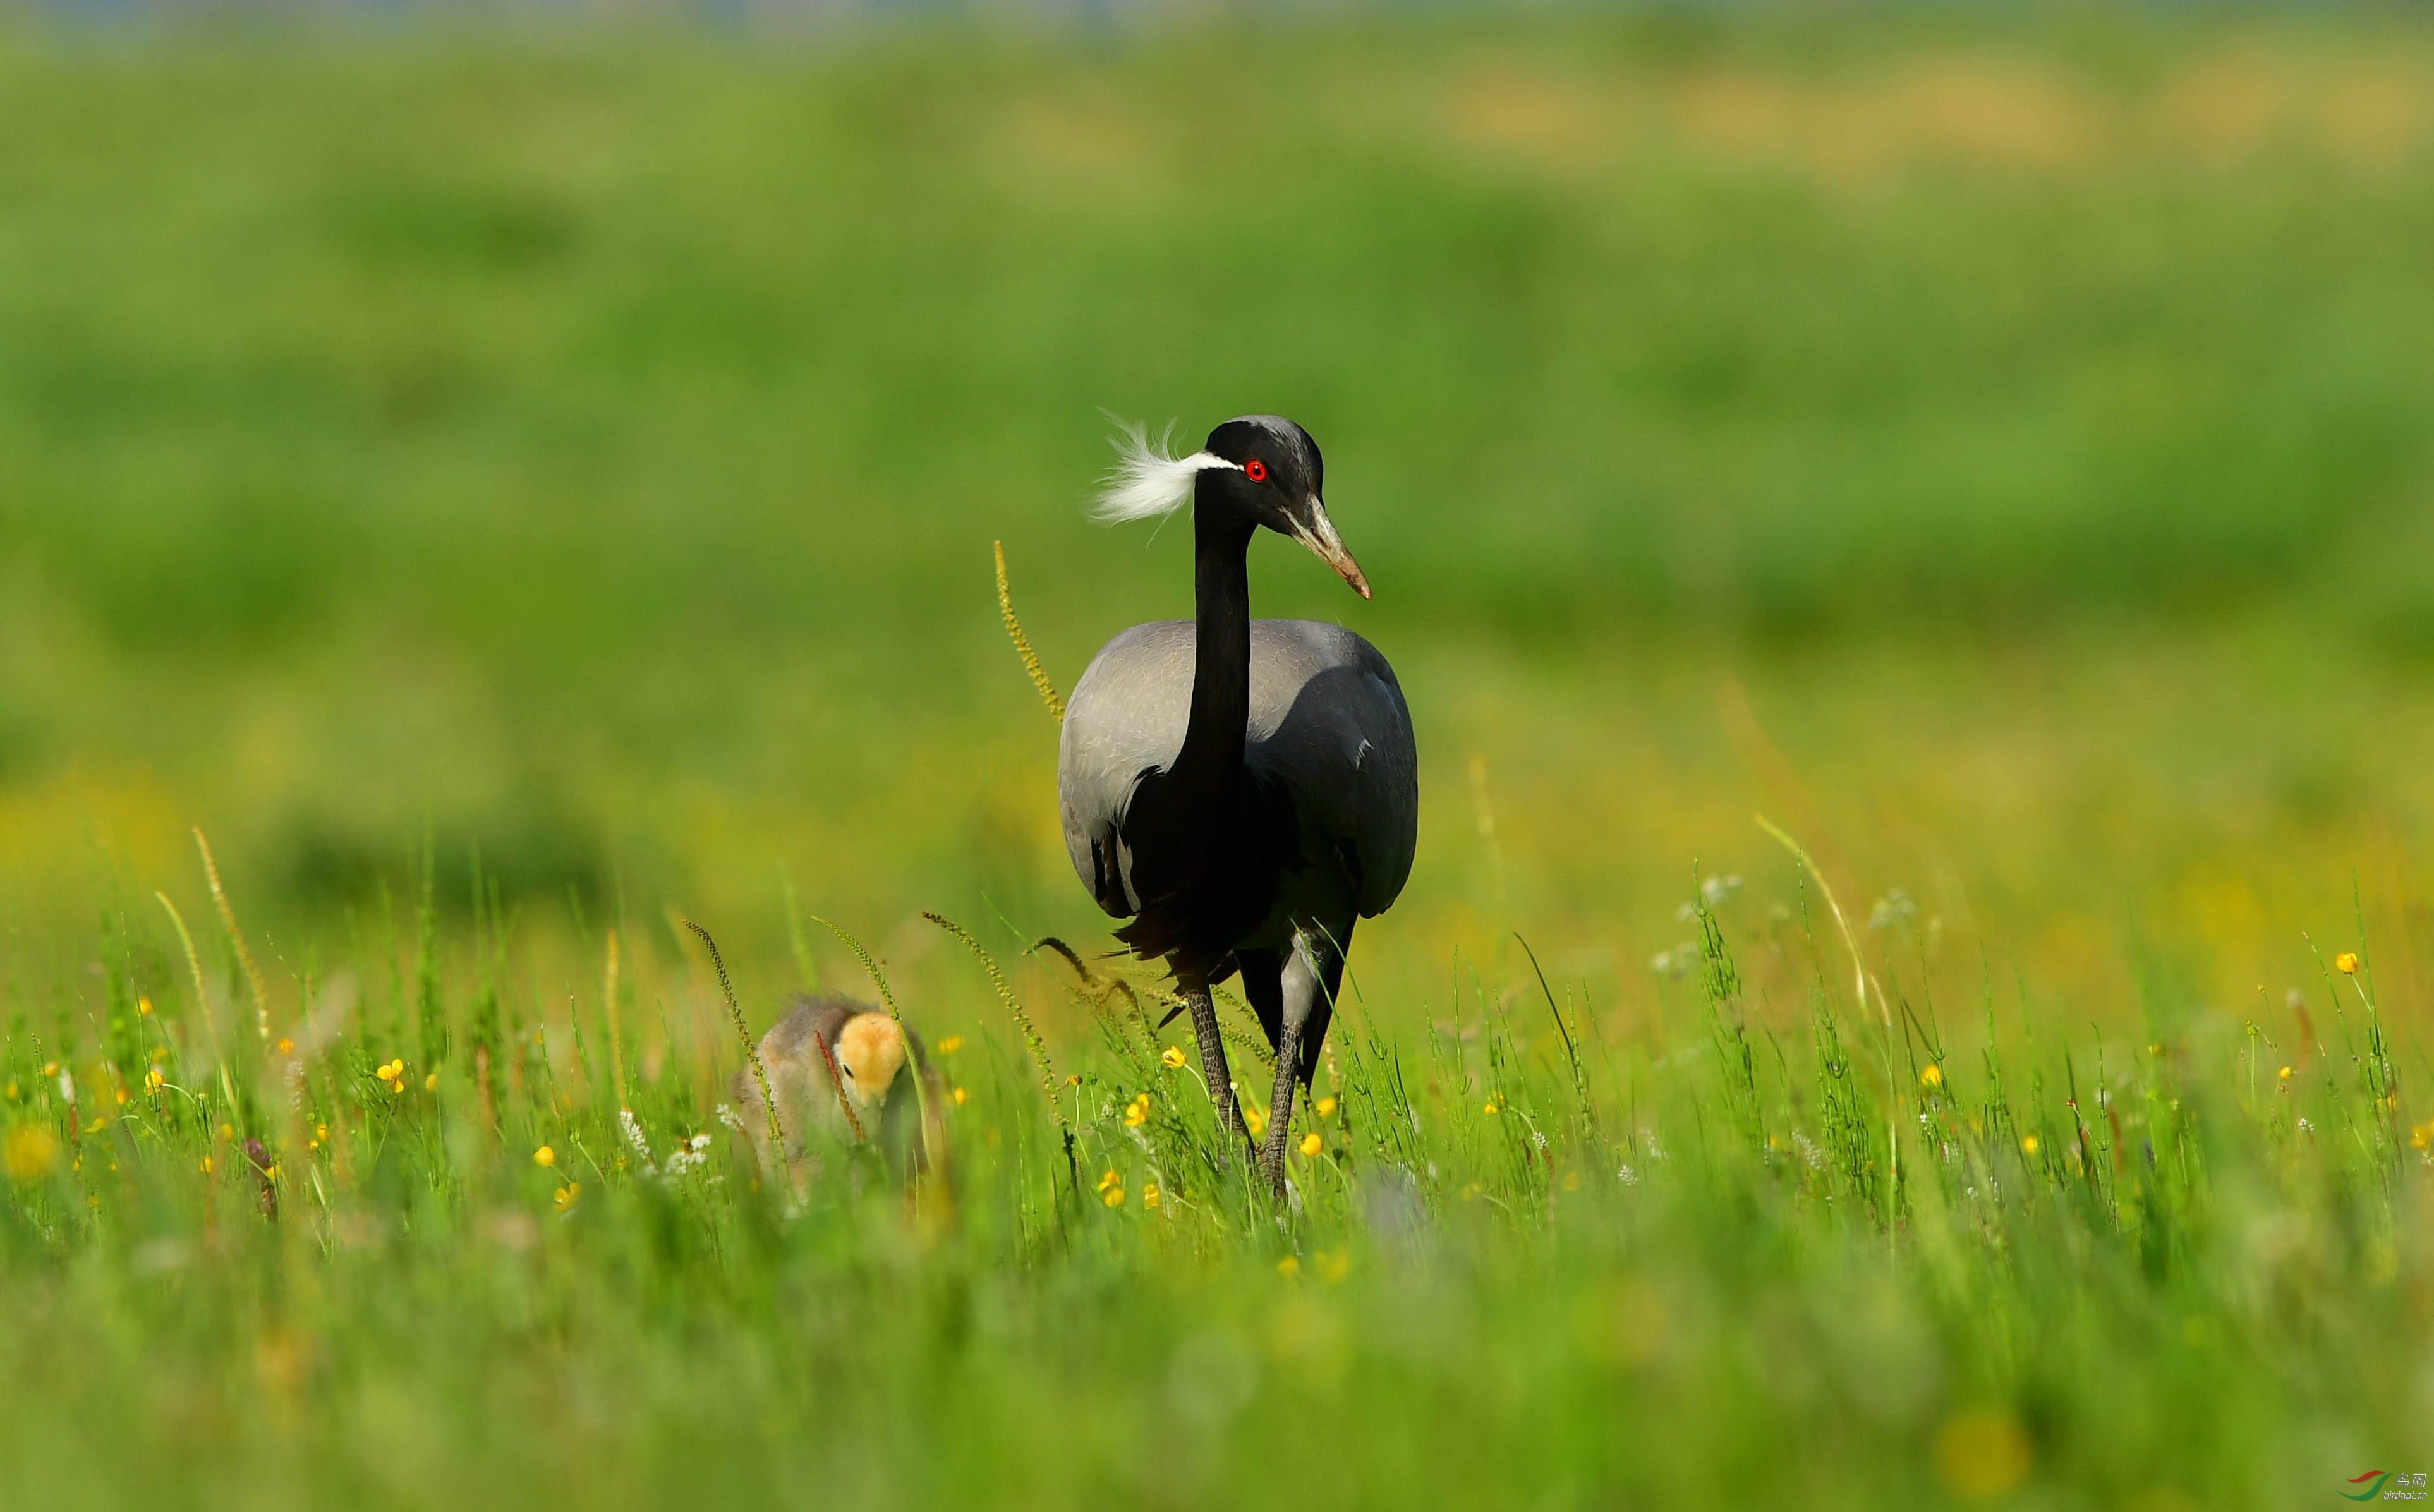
{"x":1145,"y":482}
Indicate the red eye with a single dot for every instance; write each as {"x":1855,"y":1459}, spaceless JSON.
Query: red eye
{"x":1255,"y":471}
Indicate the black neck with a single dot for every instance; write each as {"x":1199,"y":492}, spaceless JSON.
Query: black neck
{"x":1221,"y":674}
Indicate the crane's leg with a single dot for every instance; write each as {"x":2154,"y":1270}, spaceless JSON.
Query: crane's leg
{"x":1313,"y":970}
{"x":1212,"y":1058}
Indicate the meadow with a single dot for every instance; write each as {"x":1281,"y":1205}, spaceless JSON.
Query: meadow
{"x":507,"y":491}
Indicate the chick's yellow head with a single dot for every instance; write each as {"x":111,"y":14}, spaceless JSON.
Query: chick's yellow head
{"x":870,"y":1051}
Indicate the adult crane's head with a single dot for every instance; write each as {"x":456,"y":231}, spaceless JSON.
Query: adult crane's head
{"x":1263,"y":469}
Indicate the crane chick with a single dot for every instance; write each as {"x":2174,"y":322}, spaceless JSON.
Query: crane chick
{"x":837,"y":1071}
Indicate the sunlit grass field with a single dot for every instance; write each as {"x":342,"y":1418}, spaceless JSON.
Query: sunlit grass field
{"x":508,"y":488}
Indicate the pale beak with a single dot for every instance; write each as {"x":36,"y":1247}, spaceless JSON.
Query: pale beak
{"x":1324,"y":543}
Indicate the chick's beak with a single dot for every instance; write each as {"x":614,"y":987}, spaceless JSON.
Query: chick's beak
{"x":1320,"y":536}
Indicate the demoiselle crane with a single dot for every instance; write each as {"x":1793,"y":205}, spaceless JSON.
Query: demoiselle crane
{"x":1240,"y":791}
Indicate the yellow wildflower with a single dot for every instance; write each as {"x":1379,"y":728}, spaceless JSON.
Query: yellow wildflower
{"x":286,"y":1046}
{"x":28,"y":1152}
{"x":1311,"y":1144}
{"x":1472,"y":1192}
{"x":1931,"y":1075}
{"x":1289,"y":1267}
{"x":1490,"y":1107}
{"x":951,"y":1044}
{"x":2029,"y":1146}
{"x":1325,"y":1106}
{"x":206,"y":1166}
{"x":226,"y":1133}
{"x":1113,"y":1197}
{"x":1136,"y":1112}
{"x":2421,"y":1136}
{"x":1108,"y":1178}
{"x":544,"y":1156}
{"x":2285,"y":1073}
{"x":153,"y":1080}
{"x":1983,"y":1453}
{"x":2346,"y":963}
{"x":1171,"y":1057}
{"x":430,"y":1083}
{"x":144,"y":1006}
{"x":123,"y":1095}
{"x":962,"y":1097}
{"x":566,"y":1197}
{"x":1149,"y":1194}
{"x":1255,"y":1118}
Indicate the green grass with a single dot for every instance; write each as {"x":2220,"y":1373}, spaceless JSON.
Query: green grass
{"x":502,"y":489}
{"x":1794,"y":1247}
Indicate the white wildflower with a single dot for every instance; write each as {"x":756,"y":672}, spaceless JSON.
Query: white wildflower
{"x":1677,"y":963}
{"x":633,"y":1128}
{"x":1809,"y":1152}
{"x":1892,"y":908}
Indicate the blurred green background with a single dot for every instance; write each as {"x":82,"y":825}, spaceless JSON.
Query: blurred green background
{"x":1996,"y":446}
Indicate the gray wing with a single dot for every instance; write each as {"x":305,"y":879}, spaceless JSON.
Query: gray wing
{"x":1327,"y":721}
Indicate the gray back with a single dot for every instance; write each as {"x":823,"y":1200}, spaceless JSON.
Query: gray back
{"x":1328,"y":720}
